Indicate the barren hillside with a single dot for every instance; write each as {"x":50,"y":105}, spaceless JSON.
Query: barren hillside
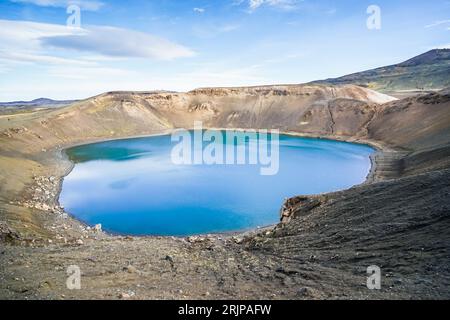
{"x":429,"y":71}
{"x":398,"y":220}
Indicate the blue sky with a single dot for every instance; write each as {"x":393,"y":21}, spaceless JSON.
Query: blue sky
{"x":183,"y":44}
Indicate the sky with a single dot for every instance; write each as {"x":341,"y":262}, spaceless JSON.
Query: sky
{"x":180,"y":45}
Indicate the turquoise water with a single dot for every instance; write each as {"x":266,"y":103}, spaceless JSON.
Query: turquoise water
{"x":132,"y":186}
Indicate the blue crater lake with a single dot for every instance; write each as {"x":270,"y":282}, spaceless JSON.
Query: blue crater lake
{"x":133,"y":187}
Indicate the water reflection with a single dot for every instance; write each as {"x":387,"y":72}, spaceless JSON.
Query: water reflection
{"x":132,"y":187}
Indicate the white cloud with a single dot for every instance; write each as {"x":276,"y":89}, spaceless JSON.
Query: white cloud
{"x":117,"y":42}
{"x":286,"y":57}
{"x":62,"y":82}
{"x":19,"y":42}
{"x":23,"y":57}
{"x":26,"y":34}
{"x":254,"y":4}
{"x":210,"y":75}
{"x":211,"y":30}
{"x":443,"y":46}
{"x":4,"y":68}
{"x":89,"y":5}
{"x":228,"y":28}
{"x":280,"y":4}
{"x":199,"y":10}
{"x":36,"y":42}
{"x":437,"y":23}
{"x":87,"y":73}
{"x":76,"y":63}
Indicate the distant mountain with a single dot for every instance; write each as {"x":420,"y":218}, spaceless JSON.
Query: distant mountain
{"x":27,"y":106}
{"x":37,"y":103}
{"x":426,"y":72}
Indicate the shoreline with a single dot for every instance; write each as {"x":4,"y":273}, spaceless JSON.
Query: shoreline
{"x":379,"y":149}
{"x":322,"y":251}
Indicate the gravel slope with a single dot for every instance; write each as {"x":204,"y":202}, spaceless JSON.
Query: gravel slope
{"x":398,"y":219}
